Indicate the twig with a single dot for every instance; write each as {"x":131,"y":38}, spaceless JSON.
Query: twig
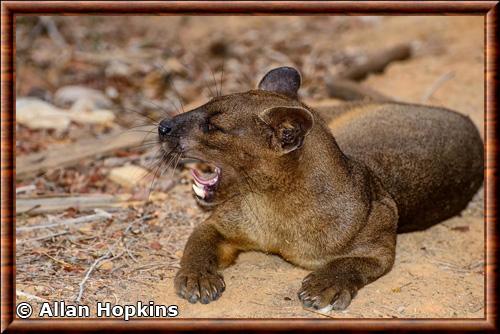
{"x":64,"y":155}
{"x":377,"y":62}
{"x":149,"y":266}
{"x":57,"y":260}
{"x":30,"y":296}
{"x":449,"y":266}
{"x":436,"y":85}
{"x":323,"y":314}
{"x":25,"y":241}
{"x":91,"y":269}
{"x":344,"y":86}
{"x":129,"y":253}
{"x":140,"y":282}
{"x":30,"y":210}
{"x":105,"y":256}
{"x":81,"y":202}
{"x":99,"y":215}
{"x":349,"y":90}
{"x":25,"y":189}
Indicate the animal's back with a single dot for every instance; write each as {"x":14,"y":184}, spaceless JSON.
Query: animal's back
{"x":429,"y":159}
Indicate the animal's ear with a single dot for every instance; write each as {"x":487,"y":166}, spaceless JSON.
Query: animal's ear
{"x":283,"y":80}
{"x":290,"y":126}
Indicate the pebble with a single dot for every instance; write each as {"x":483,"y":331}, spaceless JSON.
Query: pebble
{"x":37,"y":114}
{"x":128,"y":176}
{"x":68,"y":95}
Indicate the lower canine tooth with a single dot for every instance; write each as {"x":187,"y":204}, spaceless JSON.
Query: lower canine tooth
{"x":198,"y":191}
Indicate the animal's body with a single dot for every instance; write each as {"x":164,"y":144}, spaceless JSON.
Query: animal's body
{"x":429,"y":159}
{"x":329,"y":198}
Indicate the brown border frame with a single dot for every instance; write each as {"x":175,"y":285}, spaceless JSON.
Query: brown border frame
{"x":488,"y":9}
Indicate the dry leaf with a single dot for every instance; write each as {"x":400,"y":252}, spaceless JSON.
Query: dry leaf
{"x":155,"y":245}
{"x":106,"y":265}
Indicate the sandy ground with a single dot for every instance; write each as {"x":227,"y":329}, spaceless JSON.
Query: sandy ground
{"x":439,"y":273}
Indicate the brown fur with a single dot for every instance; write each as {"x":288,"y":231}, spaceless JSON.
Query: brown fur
{"x":332,"y":205}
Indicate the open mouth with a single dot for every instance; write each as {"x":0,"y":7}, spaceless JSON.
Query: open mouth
{"x":204,"y":186}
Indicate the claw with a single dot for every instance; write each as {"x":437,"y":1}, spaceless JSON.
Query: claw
{"x":193,"y":299}
{"x":307,"y":302}
{"x":202,"y":286}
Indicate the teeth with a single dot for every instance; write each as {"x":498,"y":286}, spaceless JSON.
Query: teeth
{"x":198,"y":190}
{"x":197,"y":183}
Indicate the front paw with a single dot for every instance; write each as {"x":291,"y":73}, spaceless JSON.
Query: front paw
{"x":199,"y":285}
{"x":325,"y":290}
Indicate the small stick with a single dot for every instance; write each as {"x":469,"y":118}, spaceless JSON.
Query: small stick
{"x":344,"y":86}
{"x":30,"y":296}
{"x":25,"y":189}
{"x":81,"y":202}
{"x":25,"y":241}
{"x":57,"y":260}
{"x":323,"y":314}
{"x":64,"y":155}
{"x":80,"y":220}
{"x":377,"y":62}
{"x":436,"y":85}
{"x":91,"y":269}
{"x":130,"y":253}
{"x":349,"y":90}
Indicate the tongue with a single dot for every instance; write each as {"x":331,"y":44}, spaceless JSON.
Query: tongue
{"x":207,"y":182}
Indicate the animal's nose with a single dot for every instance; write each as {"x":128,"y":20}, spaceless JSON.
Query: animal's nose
{"x":165,"y":128}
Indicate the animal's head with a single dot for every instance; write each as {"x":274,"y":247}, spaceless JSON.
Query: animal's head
{"x":241,"y":134}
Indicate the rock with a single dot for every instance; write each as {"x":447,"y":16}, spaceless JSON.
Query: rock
{"x":37,"y":114}
{"x":68,"y":95}
{"x":157,"y":196}
{"x":82,"y":105}
{"x":111,"y":92}
{"x":128,"y":176}
{"x":82,"y":112}
{"x":117,"y":69}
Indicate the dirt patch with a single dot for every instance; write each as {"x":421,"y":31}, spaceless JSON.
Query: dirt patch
{"x":439,"y":273}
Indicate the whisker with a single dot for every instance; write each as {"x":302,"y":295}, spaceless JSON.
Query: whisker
{"x":143,"y":146}
{"x":156,"y":122}
{"x":176,"y":163}
{"x":155,"y":174}
{"x":146,"y":131}
{"x":221,"y":77}
{"x":215,"y":82}
{"x":174,"y":89}
{"x":206,"y":81}
{"x":160,"y":107}
{"x":141,"y":126}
